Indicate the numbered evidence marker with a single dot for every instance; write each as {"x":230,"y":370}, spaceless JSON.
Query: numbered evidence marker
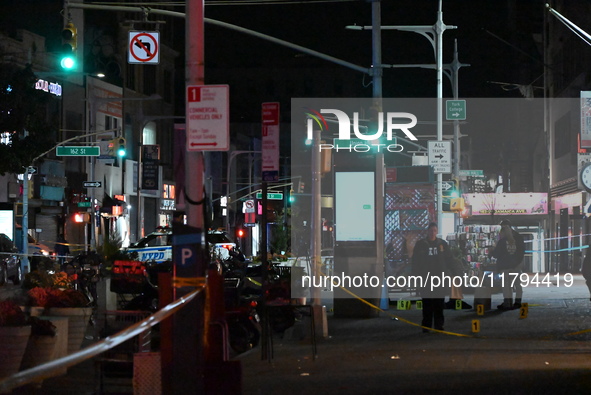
{"x":475,"y":326}
{"x":403,"y":305}
{"x":458,"y":304}
{"x":419,"y":305}
{"x":523,"y":310}
{"x":480,"y":309}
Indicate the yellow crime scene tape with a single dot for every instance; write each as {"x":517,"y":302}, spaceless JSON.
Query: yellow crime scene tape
{"x":475,"y":324}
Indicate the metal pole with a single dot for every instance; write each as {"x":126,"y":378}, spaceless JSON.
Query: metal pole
{"x":456,"y":170}
{"x":439,"y":28}
{"x":376,"y":34}
{"x":188,"y":370}
{"x":316,"y":220}
{"x":233,"y":154}
{"x":25,"y":224}
{"x":90,"y":128}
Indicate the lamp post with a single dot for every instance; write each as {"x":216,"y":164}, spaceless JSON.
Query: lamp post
{"x":233,"y":155}
{"x":92,"y":103}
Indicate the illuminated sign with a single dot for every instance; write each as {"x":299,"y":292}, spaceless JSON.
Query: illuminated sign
{"x":507,"y":203}
{"x":52,"y":87}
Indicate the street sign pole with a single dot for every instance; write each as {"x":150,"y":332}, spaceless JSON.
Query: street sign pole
{"x":189,"y":327}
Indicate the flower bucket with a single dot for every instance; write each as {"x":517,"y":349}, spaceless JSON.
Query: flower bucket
{"x":77,"y":323}
{"x":33,"y":311}
{"x":40,"y":349}
{"x":14,"y":341}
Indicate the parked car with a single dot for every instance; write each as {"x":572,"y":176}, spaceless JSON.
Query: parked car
{"x":10,"y":264}
{"x":36,"y":248}
{"x":157,"y":246}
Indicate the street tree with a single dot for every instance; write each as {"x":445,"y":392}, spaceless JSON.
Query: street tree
{"x":27,"y":127}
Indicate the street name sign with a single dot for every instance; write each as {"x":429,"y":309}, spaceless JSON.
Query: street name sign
{"x":91,"y":184}
{"x":471,"y":173}
{"x":84,"y":204}
{"x":270,"y":196}
{"x":440,"y":156}
{"x":77,"y":151}
{"x":208,"y":117}
{"x":455,"y":110}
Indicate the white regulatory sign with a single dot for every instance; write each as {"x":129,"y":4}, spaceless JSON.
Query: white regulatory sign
{"x":144,"y":47}
{"x":208,"y":118}
{"x":440,"y":156}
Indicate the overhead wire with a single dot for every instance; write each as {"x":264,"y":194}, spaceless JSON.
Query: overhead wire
{"x":221,"y":2}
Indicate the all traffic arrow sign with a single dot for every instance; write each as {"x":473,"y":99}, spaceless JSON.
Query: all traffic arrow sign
{"x":91,"y":184}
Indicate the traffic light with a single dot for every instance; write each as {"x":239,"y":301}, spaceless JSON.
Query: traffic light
{"x":121,"y":151}
{"x":69,"y":46}
{"x":81,"y":218}
{"x":291,"y":196}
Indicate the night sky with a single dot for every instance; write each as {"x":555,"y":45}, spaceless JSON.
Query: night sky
{"x":497,"y":39}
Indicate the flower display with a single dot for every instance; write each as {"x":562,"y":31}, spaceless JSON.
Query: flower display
{"x":46,"y":279}
{"x":41,"y":327}
{"x":52,"y":297}
{"x":11,"y":314}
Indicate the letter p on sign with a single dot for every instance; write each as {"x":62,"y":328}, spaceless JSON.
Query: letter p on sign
{"x":186,"y":255}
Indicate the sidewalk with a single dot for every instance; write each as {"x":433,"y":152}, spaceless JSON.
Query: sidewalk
{"x":513,"y":355}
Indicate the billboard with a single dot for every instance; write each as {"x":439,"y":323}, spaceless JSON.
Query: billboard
{"x":508,"y":203}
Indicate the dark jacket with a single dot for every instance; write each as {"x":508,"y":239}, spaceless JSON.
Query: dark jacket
{"x":432,"y":260}
{"x":506,"y":254}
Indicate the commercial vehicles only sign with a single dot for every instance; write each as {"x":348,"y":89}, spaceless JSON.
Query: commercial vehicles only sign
{"x":208,"y":116}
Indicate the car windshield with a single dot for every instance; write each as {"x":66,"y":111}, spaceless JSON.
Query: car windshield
{"x":154,"y":240}
{"x":165,"y":239}
{"x":215,"y":238}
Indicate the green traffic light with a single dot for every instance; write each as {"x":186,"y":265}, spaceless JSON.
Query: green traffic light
{"x":121,"y":147}
{"x":68,"y":62}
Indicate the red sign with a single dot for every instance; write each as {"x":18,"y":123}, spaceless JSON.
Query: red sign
{"x":270,"y":151}
{"x":208,"y":118}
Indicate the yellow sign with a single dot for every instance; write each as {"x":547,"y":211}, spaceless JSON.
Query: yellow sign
{"x":475,"y":326}
{"x":419,"y":305}
{"x":458,"y":304}
{"x":480,"y":309}
{"x":523,"y":310}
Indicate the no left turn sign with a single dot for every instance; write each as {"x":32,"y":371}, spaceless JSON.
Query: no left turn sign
{"x":144,"y":47}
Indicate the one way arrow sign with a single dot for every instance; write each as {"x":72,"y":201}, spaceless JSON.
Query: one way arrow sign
{"x":91,"y":184}
{"x":440,"y":156}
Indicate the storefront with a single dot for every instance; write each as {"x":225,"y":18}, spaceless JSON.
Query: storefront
{"x":528,"y":213}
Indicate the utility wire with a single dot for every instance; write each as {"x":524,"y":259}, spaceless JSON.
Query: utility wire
{"x":223,"y":2}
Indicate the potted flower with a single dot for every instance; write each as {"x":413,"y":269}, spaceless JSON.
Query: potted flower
{"x":42,"y":343}
{"x":69,"y":303}
{"x":14,"y":336}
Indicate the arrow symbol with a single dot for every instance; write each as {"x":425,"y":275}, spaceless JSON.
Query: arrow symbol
{"x":144,"y":45}
{"x":439,"y":156}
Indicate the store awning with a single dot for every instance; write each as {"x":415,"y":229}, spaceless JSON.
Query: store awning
{"x":111,"y":206}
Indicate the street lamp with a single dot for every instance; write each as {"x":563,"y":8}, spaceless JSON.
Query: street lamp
{"x":92,"y":103}
{"x":233,"y":154}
